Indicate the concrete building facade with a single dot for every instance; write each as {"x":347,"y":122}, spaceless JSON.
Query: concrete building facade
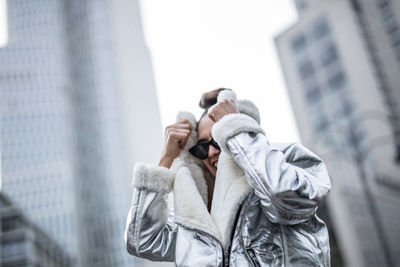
{"x":341,"y":63}
{"x":78,"y":108}
{"x":23,"y":243}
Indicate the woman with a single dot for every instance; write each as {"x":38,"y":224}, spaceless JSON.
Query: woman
{"x":238,"y":200}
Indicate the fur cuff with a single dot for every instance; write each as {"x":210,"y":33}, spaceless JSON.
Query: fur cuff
{"x":247,"y":107}
{"x":152,"y":177}
{"x":231,"y":125}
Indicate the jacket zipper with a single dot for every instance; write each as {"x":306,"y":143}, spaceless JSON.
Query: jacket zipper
{"x":225,"y":255}
{"x":253,"y":257}
{"x":283,"y":240}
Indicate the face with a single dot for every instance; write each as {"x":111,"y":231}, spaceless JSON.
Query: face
{"x":204,"y":134}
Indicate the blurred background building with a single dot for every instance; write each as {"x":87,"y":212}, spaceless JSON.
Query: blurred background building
{"x":23,"y":243}
{"x":341,"y":62}
{"x":78,"y":108}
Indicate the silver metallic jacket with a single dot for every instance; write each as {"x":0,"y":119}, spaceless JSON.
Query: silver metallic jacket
{"x":263,"y":207}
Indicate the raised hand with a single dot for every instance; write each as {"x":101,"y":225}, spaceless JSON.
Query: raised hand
{"x":220,"y":109}
{"x":176,"y":136}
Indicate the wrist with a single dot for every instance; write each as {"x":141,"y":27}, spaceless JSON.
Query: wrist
{"x":165,"y":161}
{"x":225,"y":114}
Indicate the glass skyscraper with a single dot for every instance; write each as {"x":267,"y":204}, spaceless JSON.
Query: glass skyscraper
{"x":78,"y":108}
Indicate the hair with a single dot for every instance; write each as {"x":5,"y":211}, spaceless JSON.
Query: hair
{"x":207,"y":100}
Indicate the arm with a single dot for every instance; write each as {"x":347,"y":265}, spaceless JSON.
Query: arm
{"x":150,"y":232}
{"x":290,"y":182}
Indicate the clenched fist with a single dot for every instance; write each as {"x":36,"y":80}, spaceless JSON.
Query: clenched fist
{"x":176,"y":136}
{"x":225,"y":107}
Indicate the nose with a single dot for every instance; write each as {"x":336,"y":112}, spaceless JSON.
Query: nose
{"x":212,"y":151}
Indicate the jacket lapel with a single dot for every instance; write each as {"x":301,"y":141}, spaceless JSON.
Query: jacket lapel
{"x":230,"y":190}
{"x":190,"y":192}
{"x":190,"y":206}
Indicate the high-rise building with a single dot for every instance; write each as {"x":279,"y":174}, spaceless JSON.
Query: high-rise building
{"x":341,"y":62}
{"x":23,"y":243}
{"x":78,"y":108}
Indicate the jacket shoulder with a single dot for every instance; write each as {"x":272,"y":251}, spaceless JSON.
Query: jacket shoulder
{"x":285,"y":147}
{"x":296,"y":152}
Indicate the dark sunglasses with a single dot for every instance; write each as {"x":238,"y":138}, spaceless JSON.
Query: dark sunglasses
{"x":200,"y":150}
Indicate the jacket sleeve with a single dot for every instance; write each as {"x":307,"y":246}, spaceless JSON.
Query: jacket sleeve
{"x":150,"y":231}
{"x":290,"y":182}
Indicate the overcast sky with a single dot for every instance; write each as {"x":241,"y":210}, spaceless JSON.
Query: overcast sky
{"x":197,"y":46}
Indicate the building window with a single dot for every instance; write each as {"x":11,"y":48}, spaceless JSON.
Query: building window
{"x":11,"y":223}
{"x":345,"y":107}
{"x":355,"y":137}
{"x":392,"y":26}
{"x":321,"y":123}
{"x":299,"y":43}
{"x":387,"y":13}
{"x":329,"y":56}
{"x":396,"y":39}
{"x":382,"y":4}
{"x":306,"y":70}
{"x":397,"y":50}
{"x":313,"y":95}
{"x":337,"y":81}
{"x":13,"y":248}
{"x":320,"y":29}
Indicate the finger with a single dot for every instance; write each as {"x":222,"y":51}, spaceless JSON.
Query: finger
{"x":211,"y":116}
{"x":178,"y":137}
{"x":183,"y":126}
{"x":182,"y":144}
{"x":184,"y":123}
{"x":179,"y":122}
{"x":177,"y":130}
{"x":183,"y":130}
{"x":212,"y":111}
{"x":180,"y":125}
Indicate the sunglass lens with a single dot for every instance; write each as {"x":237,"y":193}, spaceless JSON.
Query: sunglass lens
{"x":214,"y":144}
{"x":200,"y":151}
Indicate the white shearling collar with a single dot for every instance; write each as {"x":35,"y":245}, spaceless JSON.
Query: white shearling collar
{"x":190,"y":193}
{"x":231,"y":187}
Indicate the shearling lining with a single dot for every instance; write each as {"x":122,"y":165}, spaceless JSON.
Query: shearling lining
{"x":231,"y":125}
{"x":152,"y":177}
